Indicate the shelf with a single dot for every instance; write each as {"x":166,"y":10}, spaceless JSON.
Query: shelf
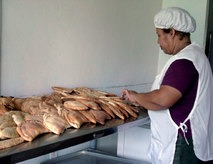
{"x":48,"y":143}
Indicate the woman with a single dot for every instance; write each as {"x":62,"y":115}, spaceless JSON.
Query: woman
{"x":180,"y":104}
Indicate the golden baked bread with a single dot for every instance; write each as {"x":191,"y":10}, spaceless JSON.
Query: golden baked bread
{"x":54,"y":123}
{"x":74,"y":105}
{"x":75,"y":119}
{"x":29,"y":130}
{"x":90,"y":104}
{"x":10,"y":142}
{"x":100,"y":116}
{"x":88,"y":115}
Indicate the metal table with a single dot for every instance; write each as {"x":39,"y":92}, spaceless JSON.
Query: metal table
{"x":47,"y":143}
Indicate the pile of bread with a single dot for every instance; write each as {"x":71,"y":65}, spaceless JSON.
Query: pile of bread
{"x":23,"y":119}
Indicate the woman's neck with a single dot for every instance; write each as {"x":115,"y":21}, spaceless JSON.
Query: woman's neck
{"x":181,"y":45}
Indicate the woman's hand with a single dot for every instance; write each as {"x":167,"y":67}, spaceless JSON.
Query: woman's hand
{"x":129,"y":95}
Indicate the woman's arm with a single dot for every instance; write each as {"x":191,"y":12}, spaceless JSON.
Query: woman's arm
{"x":160,"y":99}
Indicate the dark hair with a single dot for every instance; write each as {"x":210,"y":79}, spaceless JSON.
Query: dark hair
{"x":181,"y":34}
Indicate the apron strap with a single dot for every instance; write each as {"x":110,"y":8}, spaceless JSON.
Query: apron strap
{"x":184,"y":129}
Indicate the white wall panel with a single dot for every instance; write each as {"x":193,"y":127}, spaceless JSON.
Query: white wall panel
{"x":93,"y":43}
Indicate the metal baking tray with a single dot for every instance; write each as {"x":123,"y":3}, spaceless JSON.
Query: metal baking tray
{"x":91,"y":157}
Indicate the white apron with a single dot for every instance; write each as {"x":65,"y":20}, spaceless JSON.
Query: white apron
{"x":164,"y":130}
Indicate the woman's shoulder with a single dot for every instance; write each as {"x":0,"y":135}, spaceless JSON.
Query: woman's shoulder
{"x":183,"y":67}
{"x":183,"y":63}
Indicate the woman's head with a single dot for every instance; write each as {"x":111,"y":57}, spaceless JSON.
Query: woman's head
{"x":173,"y":27}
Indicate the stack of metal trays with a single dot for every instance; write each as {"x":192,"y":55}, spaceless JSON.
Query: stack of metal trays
{"x":91,"y":157}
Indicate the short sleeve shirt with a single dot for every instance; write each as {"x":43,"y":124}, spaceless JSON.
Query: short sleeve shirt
{"x":183,"y":76}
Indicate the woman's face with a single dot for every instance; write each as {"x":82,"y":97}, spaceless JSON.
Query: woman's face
{"x":164,"y":40}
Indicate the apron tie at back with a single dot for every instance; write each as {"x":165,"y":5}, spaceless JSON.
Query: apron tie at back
{"x":184,"y":129}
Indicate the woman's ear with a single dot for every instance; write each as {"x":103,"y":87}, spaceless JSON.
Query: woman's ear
{"x":172,"y":32}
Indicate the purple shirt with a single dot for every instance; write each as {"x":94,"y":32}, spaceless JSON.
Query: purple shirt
{"x":183,"y":76}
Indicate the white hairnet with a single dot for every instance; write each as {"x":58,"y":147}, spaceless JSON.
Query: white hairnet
{"x":176,"y":18}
